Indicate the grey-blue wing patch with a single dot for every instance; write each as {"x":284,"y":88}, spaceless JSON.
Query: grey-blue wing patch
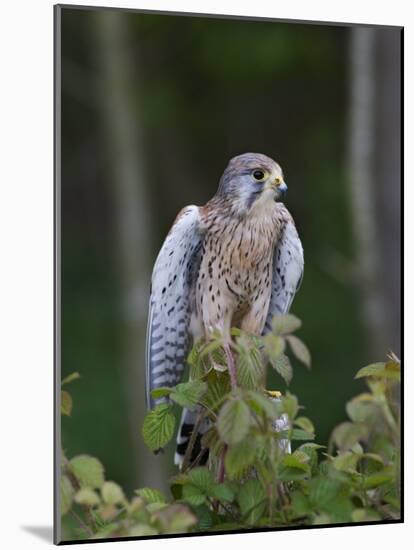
{"x":170,"y":304}
{"x":287,"y":273}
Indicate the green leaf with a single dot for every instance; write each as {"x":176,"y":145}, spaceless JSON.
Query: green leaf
{"x":322,"y":490}
{"x":151,"y":495}
{"x":66,"y":403}
{"x":362,"y":408}
{"x":112,"y":493}
{"x":239,"y":457}
{"x":250,"y":369}
{"x":233,"y":421}
{"x":340,"y":509}
{"x":142,"y":531}
{"x":160,"y":392}
{"x":73,"y":376}
{"x":365,"y":514}
{"x":193,"y":495}
{"x":274,"y":346}
{"x":66,"y":495}
{"x":204,"y":517}
{"x":304,"y":423}
{"x":202,"y":478}
{"x":375,"y":369}
{"x":346,"y":434}
{"x":300,"y":505}
{"x":283,"y":367}
{"x":346,"y":462}
{"x":297,"y":460}
{"x":106,"y":531}
{"x":87,"y":497}
{"x":301,"y":435}
{"x":158,"y":427}
{"x":218,"y":386}
{"x":222,"y":492}
{"x":379,"y":478}
{"x":290,"y":405}
{"x":263,"y":404}
{"x":284,"y":324}
{"x":299,"y":349}
{"x":189,"y":394}
{"x":252,"y":501}
{"x":88,"y":471}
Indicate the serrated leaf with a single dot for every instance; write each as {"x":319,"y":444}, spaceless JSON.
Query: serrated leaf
{"x":210,"y":347}
{"x":252,"y":501}
{"x":222,"y":492}
{"x":193,"y":495}
{"x":233,"y":421}
{"x":66,"y":403}
{"x":204,"y":517}
{"x":151,"y":495}
{"x":188,"y":394}
{"x":250,"y":369}
{"x":299,"y":349}
{"x":284,"y":324}
{"x":87,"y":497}
{"x":158,"y":427}
{"x":239,"y":457}
{"x":66,"y":495}
{"x":112,"y":493}
{"x":202,"y":478}
{"x":282,"y":366}
{"x":87,"y":470}
{"x":218,"y":386}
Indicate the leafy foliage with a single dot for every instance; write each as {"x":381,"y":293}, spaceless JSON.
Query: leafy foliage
{"x":264,"y":468}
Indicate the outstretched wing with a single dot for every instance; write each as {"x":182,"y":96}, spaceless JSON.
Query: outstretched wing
{"x":287,"y":273}
{"x":172,"y":287}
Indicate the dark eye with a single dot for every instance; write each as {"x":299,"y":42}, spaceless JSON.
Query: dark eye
{"x":258,"y":175}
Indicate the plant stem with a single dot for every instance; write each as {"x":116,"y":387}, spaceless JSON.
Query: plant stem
{"x":231,"y":366}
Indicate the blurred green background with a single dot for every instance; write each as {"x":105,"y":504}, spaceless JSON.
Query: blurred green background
{"x":153,"y":106}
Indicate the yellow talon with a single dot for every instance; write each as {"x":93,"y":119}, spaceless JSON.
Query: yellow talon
{"x":273,"y":393}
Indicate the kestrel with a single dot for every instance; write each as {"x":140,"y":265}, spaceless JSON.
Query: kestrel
{"x":235,"y":262}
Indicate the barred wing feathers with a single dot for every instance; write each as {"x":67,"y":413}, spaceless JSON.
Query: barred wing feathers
{"x":172,"y":288}
{"x":287,"y":273}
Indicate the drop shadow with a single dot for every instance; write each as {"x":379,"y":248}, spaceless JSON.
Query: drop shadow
{"x":42,"y":532}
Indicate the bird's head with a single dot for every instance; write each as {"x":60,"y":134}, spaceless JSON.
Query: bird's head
{"x":251,"y":181}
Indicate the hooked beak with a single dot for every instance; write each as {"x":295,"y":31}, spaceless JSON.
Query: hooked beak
{"x":282,"y":188}
{"x":279,"y":187}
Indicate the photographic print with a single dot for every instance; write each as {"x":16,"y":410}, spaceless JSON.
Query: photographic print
{"x":228,"y":274}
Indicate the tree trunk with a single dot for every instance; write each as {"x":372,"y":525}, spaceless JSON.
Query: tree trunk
{"x":374,"y":183}
{"x":133,"y":224}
